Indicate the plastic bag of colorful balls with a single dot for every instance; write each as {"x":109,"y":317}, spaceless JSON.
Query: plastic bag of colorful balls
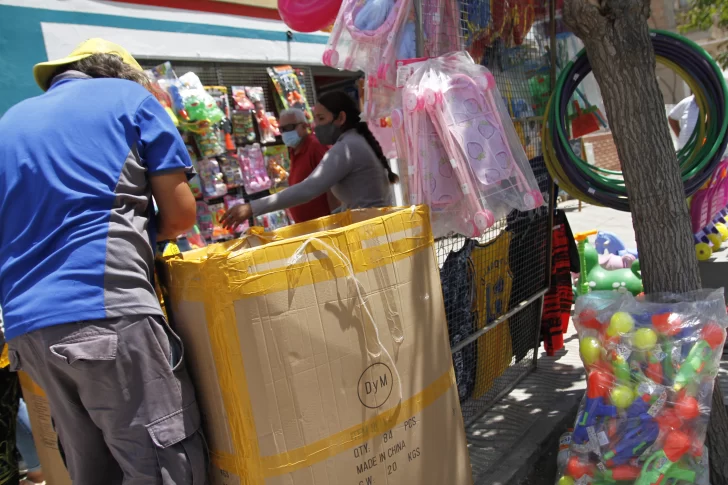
{"x":651,"y":363}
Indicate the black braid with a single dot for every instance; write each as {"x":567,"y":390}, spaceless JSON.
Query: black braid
{"x":363,"y":129}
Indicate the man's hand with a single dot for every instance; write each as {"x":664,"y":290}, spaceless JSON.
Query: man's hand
{"x":235,"y":216}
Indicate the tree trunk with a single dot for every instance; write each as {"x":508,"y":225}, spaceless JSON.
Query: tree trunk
{"x":617,"y":40}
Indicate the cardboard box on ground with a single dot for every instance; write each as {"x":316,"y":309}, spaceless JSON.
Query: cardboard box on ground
{"x":46,"y":440}
{"x":322,"y":358}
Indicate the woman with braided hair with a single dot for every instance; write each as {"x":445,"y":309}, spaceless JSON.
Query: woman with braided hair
{"x":355,"y":169}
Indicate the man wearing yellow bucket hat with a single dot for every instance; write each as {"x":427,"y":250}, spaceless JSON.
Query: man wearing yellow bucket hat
{"x":80,"y":164}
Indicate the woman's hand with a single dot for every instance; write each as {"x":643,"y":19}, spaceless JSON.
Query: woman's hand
{"x":235,"y":216}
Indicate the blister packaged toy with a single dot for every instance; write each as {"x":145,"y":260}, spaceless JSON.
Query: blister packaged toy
{"x":278,"y":163}
{"x":211,"y":178}
{"x":211,"y":142}
{"x":230,"y":168}
{"x":162,"y":95}
{"x":196,"y":109}
{"x":651,"y":363}
{"x":255,"y":94}
{"x":219,"y":233}
{"x":291,"y":93}
{"x":204,"y":220}
{"x":255,"y":172}
{"x":241,"y":100}
{"x":273,"y":221}
{"x":464,"y":158}
{"x":195,"y":239}
{"x":243,"y":127}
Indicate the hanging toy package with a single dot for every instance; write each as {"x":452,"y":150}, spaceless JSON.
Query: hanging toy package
{"x":255,"y":173}
{"x":276,"y":159}
{"x":651,"y":364}
{"x":230,"y":168}
{"x":243,"y":127}
{"x":366,"y":36}
{"x":255,"y":94}
{"x":464,"y":158}
{"x":291,"y":94}
{"x":241,"y":100}
{"x":196,"y":109}
{"x":211,"y":178}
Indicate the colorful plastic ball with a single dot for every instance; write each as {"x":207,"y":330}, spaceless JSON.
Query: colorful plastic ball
{"x":722,"y":230}
{"x":667,"y":323}
{"x":703,"y":251}
{"x":716,"y":241}
{"x":687,"y":408}
{"x":621,"y":323}
{"x":590,"y":350}
{"x":645,"y":339}
{"x":566,"y":480}
{"x":713,"y":334}
{"x":622,"y":396}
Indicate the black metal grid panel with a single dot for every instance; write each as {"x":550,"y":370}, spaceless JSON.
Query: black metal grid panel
{"x":495,"y":343}
{"x":238,"y":74}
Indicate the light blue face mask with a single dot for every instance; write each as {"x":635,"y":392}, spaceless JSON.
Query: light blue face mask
{"x":291,"y":138}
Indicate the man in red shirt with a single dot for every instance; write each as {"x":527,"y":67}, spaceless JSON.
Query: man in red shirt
{"x":306,"y":153}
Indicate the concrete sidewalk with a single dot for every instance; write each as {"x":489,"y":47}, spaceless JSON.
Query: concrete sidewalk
{"x":519,"y":430}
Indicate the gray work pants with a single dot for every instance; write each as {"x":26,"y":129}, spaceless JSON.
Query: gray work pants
{"x":121,"y":399}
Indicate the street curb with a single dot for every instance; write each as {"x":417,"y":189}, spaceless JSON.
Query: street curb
{"x":518,"y":462}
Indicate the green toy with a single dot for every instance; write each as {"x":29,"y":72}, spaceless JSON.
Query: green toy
{"x":595,"y":278}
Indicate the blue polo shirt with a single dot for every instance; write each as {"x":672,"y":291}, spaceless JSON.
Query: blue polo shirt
{"x":76,"y":222}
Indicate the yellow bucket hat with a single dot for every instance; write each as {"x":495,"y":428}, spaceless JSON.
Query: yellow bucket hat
{"x":45,"y":70}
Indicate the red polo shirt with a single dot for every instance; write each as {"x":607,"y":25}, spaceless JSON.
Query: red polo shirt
{"x":303,"y":160}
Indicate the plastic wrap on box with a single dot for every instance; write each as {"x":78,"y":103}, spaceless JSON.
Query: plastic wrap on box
{"x":651,"y":365}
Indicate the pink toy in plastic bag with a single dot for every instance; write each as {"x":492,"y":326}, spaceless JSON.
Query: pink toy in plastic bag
{"x":454,"y":105}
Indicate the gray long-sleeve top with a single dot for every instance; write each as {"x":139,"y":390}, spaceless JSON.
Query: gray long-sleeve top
{"x":349,"y":169}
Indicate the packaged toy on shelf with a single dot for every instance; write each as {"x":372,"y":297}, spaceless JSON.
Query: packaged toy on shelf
{"x":273,"y":221}
{"x":267,"y":134}
{"x":219,"y":233}
{"x":463,"y":155}
{"x":651,"y":363}
{"x":220,"y":95}
{"x":213,"y":183}
{"x":276,"y":159}
{"x":241,"y":100}
{"x":162,"y":95}
{"x":196,"y":108}
{"x":230,"y":167}
{"x":195,"y":240}
{"x":255,"y":173}
{"x":210,"y":142}
{"x":243,"y":127}
{"x":205,"y":220}
{"x":290,"y":92}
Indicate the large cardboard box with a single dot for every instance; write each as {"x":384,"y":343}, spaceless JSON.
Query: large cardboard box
{"x":46,"y":440}
{"x":323,"y":358}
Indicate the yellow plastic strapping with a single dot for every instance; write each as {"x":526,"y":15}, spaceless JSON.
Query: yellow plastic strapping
{"x":217,"y":280}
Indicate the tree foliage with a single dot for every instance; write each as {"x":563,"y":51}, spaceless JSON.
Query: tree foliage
{"x":704,"y":15}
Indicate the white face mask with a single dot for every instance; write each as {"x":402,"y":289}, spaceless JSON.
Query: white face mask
{"x":291,"y":138}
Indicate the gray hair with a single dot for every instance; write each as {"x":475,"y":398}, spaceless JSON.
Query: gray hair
{"x":297,"y":114}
